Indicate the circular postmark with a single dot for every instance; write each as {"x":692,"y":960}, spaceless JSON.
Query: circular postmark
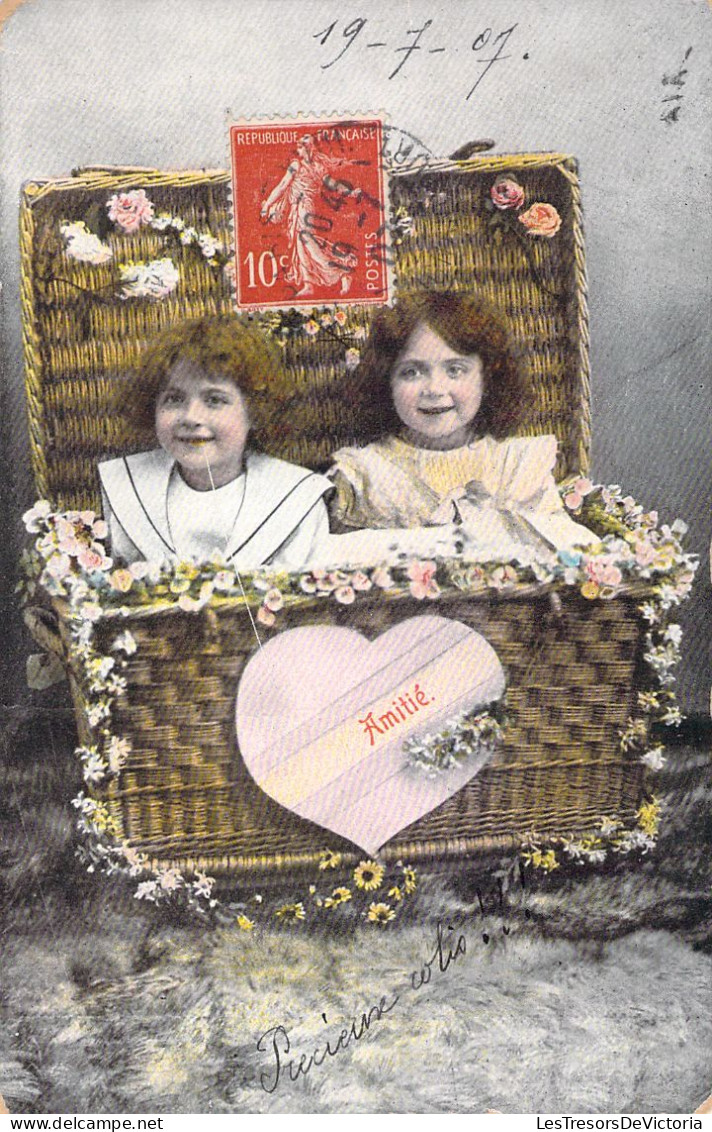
{"x":402,"y":151}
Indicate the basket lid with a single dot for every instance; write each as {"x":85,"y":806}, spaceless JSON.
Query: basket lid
{"x":81,"y":336}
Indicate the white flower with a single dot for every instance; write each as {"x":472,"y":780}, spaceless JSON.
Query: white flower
{"x":97,"y":713}
{"x":161,"y":222}
{"x":154,"y":280}
{"x":650,"y":613}
{"x":224,"y":581}
{"x":102,"y":666}
{"x":208,"y":245}
{"x":192,"y":604}
{"x":351,"y":358}
{"x":147,"y":890}
{"x":273,"y":600}
{"x":40,"y":510}
{"x":169,"y":880}
{"x":188,"y":236}
{"x":672,"y":716}
{"x":125,"y":643}
{"x":90,"y":611}
{"x":94,"y":768}
{"x":117,"y":753}
{"x":608,"y":826}
{"x":654,"y":758}
{"x":203,"y":885}
{"x":83,"y":245}
{"x":673,"y":633}
{"x":668,"y":597}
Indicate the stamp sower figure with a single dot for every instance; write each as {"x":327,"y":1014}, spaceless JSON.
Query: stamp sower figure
{"x":314,"y":260}
{"x":202,"y":387}
{"x":438,"y":377}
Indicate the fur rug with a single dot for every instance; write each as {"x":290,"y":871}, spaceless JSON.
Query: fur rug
{"x":597,"y":1000}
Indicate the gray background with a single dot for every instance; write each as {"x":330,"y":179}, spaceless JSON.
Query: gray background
{"x":148,"y":82}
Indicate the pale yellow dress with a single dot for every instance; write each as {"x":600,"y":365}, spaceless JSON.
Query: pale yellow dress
{"x":501,"y":492}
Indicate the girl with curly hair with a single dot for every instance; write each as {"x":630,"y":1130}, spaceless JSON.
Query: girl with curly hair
{"x":203,"y":390}
{"x":440,"y":387}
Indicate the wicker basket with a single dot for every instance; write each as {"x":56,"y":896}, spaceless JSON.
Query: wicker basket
{"x":572,"y":666}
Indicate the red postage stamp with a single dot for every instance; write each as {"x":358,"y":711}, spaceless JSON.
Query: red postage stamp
{"x":309,"y":211}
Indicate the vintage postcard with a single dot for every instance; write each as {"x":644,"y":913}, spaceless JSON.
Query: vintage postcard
{"x":356,"y":738}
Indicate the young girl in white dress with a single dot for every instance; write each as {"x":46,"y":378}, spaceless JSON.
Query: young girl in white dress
{"x":438,"y":380}
{"x":204,"y":389}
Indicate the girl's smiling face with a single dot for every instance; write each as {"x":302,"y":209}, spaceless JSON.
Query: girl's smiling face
{"x":203,"y":423}
{"x":436,"y":392}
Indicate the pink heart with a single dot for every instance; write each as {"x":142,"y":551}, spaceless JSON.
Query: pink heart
{"x":322,"y":715}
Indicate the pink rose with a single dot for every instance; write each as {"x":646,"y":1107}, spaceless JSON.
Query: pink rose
{"x":541,"y":220}
{"x":644,"y":553}
{"x":422,"y":580}
{"x":130,"y":210}
{"x":507,"y":194}
{"x":266,"y":617}
{"x":381,"y":577}
{"x":573,"y":500}
{"x":603,"y":571}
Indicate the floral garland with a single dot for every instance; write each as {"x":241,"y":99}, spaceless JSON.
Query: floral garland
{"x":69,"y":560}
{"x":505,"y":203}
{"x":463,"y":738}
{"x":611,"y":838}
{"x":126,"y":214}
{"x":334,"y":325}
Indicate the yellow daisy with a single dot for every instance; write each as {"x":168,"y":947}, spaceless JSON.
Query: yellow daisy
{"x":368,"y":875}
{"x":410,"y":882}
{"x":291,"y":912}
{"x":329,"y":859}
{"x":244,"y":923}
{"x":396,"y":893}
{"x":380,"y":913}
{"x":338,"y":896}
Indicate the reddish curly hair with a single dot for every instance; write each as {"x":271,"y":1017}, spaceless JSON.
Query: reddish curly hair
{"x":467,"y":324}
{"x":224,"y":346}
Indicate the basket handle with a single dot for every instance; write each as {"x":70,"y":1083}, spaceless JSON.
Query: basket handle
{"x":464,"y":152}
{"x":80,"y":170}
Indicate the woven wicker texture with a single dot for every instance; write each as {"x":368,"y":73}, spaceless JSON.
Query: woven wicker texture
{"x":185,"y":794}
{"x":571,"y":680}
{"x":81,"y":337}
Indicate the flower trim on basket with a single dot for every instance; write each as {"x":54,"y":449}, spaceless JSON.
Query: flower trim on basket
{"x":609,"y":839}
{"x":69,"y":561}
{"x":466,"y":735}
{"x":125,"y":214}
{"x":505,"y":203}
{"x":346,"y":328}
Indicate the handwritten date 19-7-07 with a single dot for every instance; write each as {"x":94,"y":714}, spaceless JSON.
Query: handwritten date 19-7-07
{"x":488,"y":46}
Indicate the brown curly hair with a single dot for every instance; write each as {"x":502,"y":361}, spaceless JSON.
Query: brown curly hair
{"x":467,"y":324}
{"x":224,"y":346}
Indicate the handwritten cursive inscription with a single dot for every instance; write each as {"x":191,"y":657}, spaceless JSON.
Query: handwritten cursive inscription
{"x":677,"y":79}
{"x":278,"y":1039}
{"x":488,"y":45}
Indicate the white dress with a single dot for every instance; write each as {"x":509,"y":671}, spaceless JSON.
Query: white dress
{"x":273,"y":514}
